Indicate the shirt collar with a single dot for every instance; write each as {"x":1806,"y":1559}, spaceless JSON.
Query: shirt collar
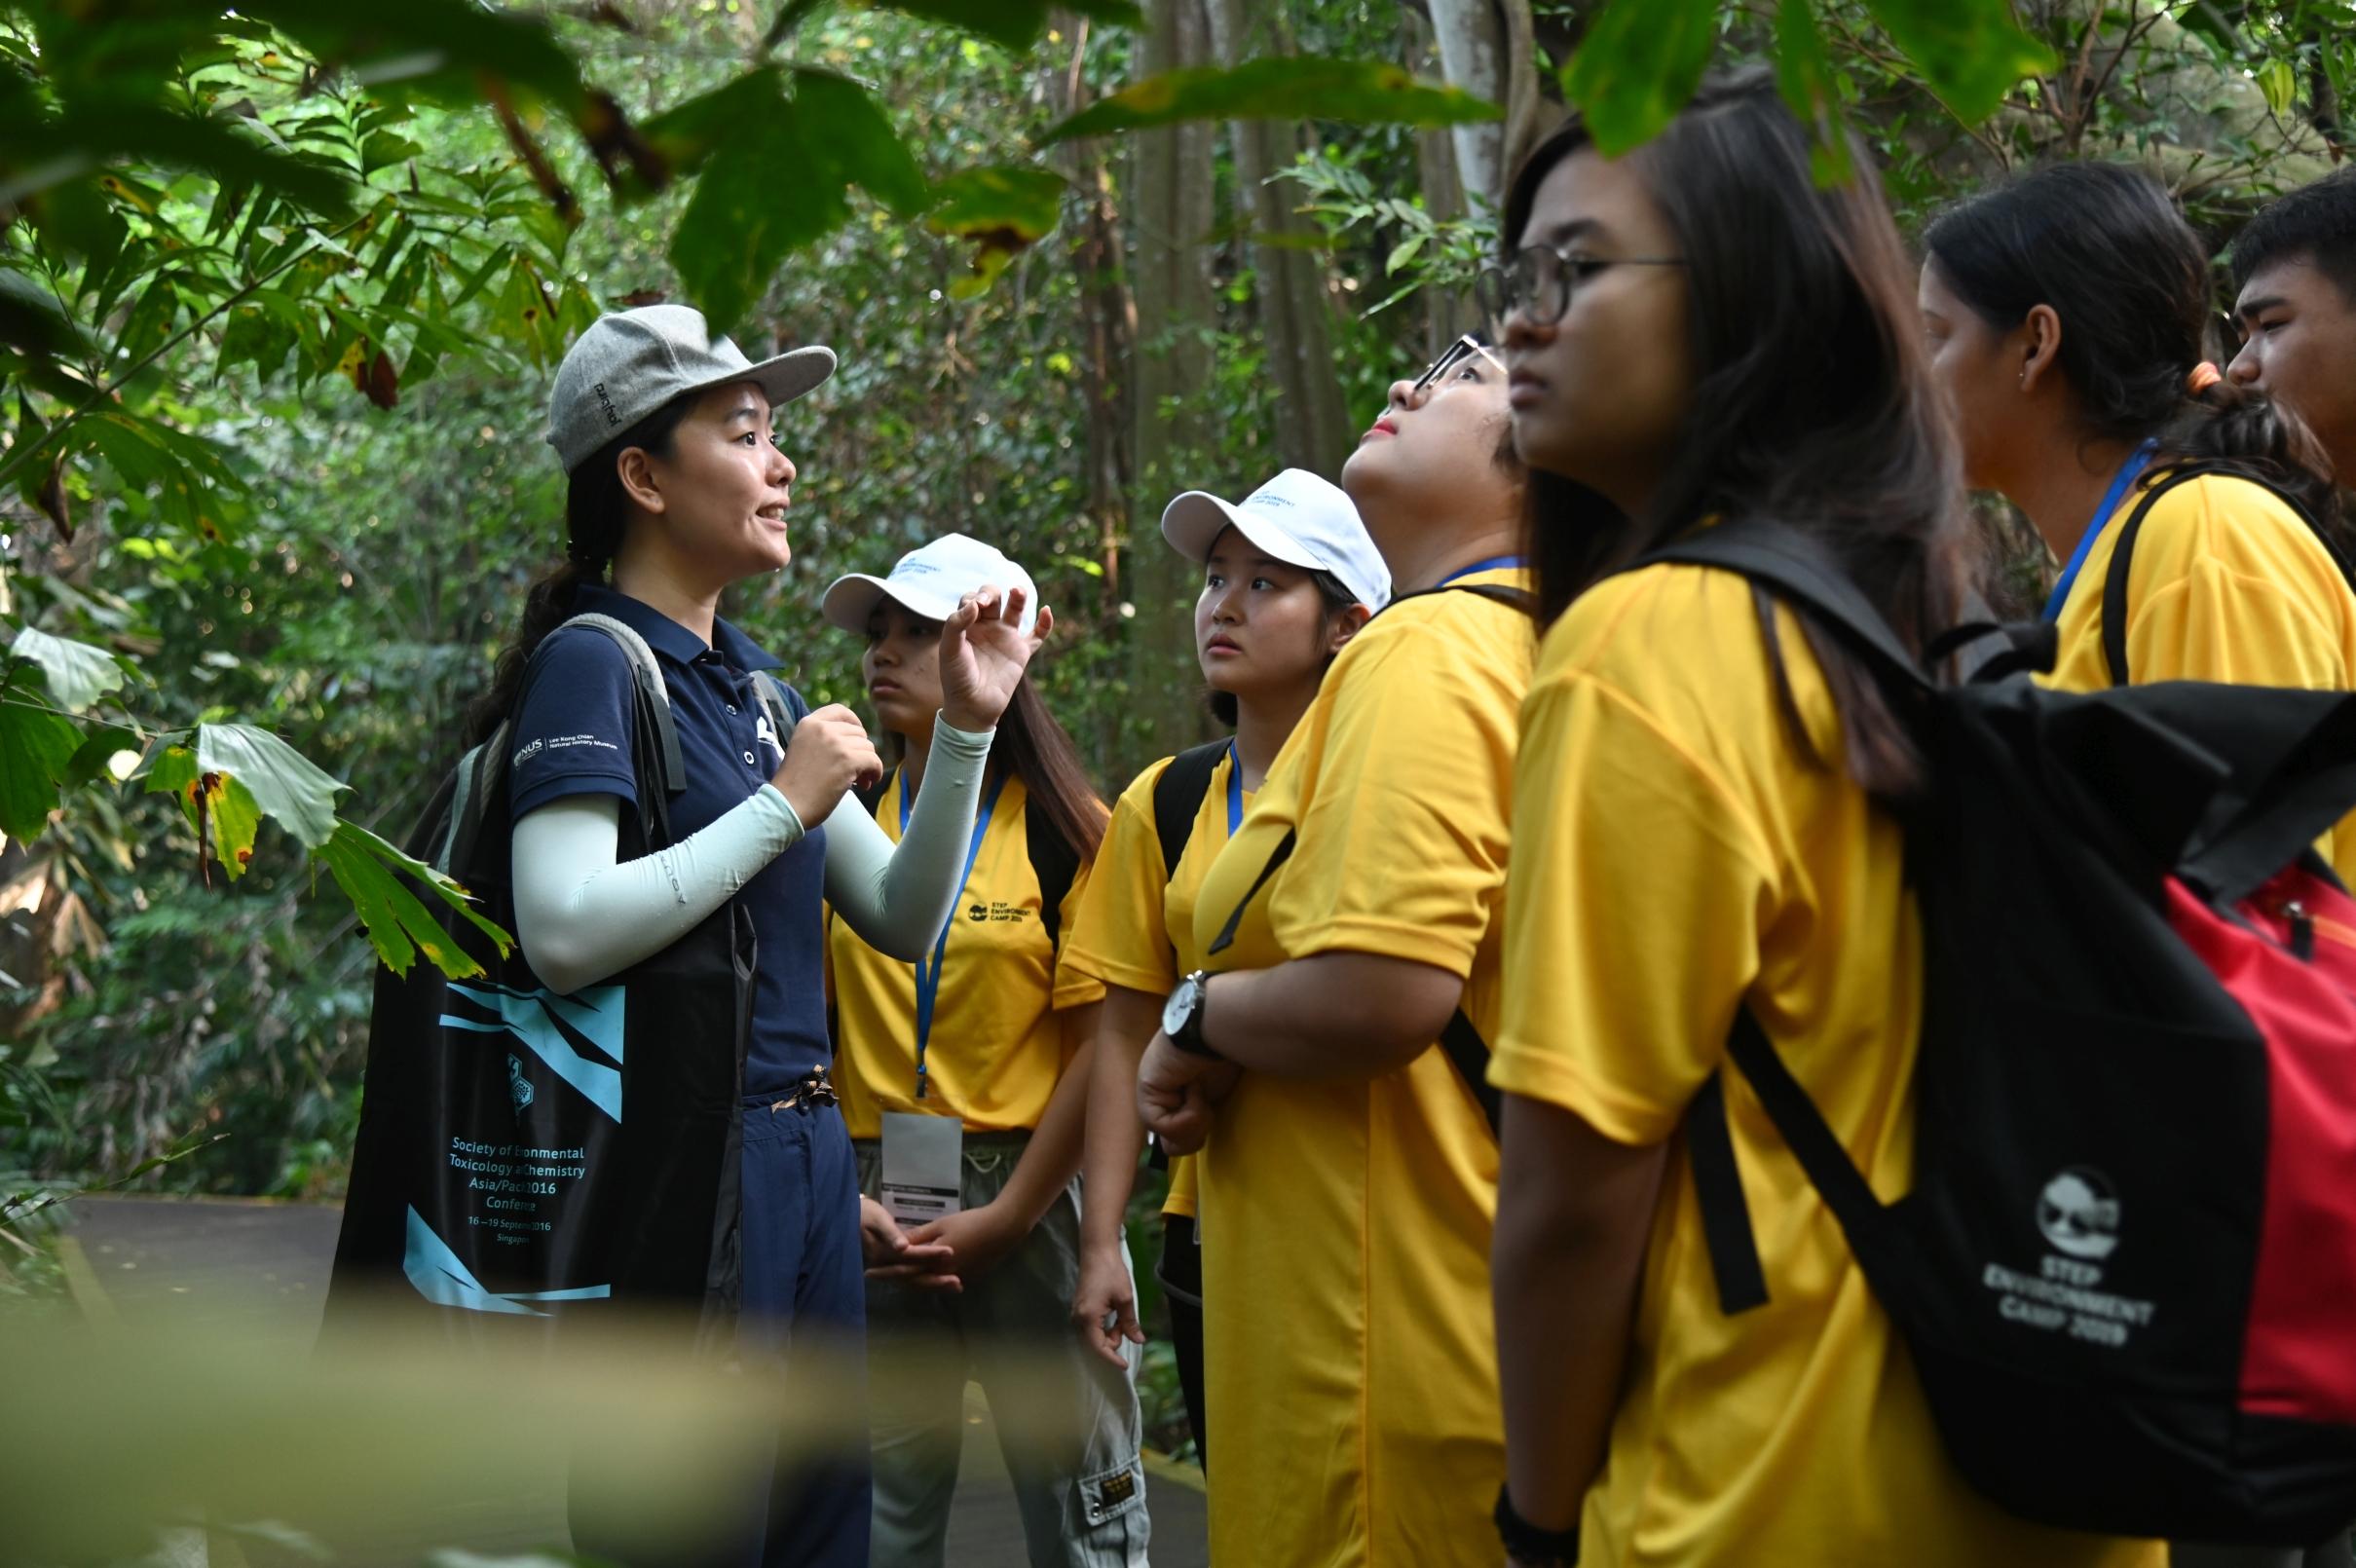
{"x":669,"y":639}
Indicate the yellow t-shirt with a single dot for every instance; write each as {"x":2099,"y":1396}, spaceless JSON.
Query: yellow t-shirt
{"x":1350,"y":1358}
{"x":1676,"y":854}
{"x":2228,"y":583}
{"x":1135,"y":925}
{"x":998,"y":1047}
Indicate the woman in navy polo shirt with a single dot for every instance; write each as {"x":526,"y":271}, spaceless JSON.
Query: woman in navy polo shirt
{"x":677,"y":485}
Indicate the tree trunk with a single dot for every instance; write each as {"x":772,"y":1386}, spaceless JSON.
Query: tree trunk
{"x":1487,"y":48}
{"x":1313,"y":426}
{"x":1171,"y":215}
{"x":1446,"y":316}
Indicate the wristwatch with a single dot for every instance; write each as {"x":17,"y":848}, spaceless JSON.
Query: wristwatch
{"x":1183,"y":1016}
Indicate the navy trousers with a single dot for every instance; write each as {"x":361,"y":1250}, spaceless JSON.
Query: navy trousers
{"x":805,"y":1298}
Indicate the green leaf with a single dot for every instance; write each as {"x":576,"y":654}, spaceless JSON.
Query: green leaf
{"x":1365,"y":92}
{"x":1015,"y":23}
{"x":861,"y":142}
{"x":399,"y":928}
{"x":384,"y":149}
{"x":1804,"y":76}
{"x":234,"y":819}
{"x":173,"y":771}
{"x":2280,"y":84}
{"x":686,"y":135}
{"x":79,"y":674}
{"x":94,"y":760}
{"x":36,"y":753}
{"x":1971,"y":51}
{"x":1003,"y":209}
{"x":744,"y":220}
{"x":285,"y":783}
{"x":1638,"y":64}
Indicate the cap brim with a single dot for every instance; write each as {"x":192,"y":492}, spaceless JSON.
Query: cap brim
{"x":788,"y":376}
{"x":848,"y":602}
{"x":1194,"y":521}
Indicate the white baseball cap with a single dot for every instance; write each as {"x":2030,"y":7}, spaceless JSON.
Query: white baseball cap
{"x":1298,"y":519}
{"x":930,"y":579}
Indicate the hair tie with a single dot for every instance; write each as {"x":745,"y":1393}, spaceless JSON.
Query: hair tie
{"x":2202,"y":377}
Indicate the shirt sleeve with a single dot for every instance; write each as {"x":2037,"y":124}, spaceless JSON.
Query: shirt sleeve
{"x":572,"y":730}
{"x":1074,"y":987}
{"x":1633,"y":915}
{"x":1402,"y":829}
{"x":1117,"y":932}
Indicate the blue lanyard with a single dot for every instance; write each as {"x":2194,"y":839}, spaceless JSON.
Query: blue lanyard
{"x":1235,"y":790}
{"x":1495,"y":563}
{"x":928,"y":977}
{"x":2128,"y":472}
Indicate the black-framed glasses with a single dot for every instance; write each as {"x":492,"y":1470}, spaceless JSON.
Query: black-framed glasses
{"x":1457,"y":352}
{"x":1538,"y":280}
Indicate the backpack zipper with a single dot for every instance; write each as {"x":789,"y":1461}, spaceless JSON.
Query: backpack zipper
{"x":2302,"y":929}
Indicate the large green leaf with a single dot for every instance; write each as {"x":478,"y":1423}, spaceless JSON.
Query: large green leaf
{"x":1366,"y":93}
{"x":36,"y":752}
{"x":1971,"y":52}
{"x":1015,"y":23}
{"x":1003,"y":209}
{"x":1638,"y":67}
{"x":745,"y":219}
{"x":401,"y":927}
{"x":860,"y":142}
{"x":285,"y":783}
{"x":685,"y":134}
{"x":79,"y":674}
{"x":1804,"y":75}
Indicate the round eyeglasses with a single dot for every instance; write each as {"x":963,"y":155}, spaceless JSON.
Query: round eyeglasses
{"x":1539,"y":280}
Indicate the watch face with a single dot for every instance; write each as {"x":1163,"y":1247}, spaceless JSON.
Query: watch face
{"x":1179,"y":1004}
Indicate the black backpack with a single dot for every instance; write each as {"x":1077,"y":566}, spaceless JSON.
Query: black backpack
{"x":2126,"y":1271}
{"x":523,"y":1155}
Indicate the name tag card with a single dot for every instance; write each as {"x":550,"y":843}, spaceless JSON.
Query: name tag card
{"x":923,"y":1157}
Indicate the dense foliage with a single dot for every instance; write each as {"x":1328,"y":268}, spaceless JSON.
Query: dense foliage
{"x":280,"y":292}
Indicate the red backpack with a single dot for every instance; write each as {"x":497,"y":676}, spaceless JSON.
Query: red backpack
{"x":2127,"y":1272}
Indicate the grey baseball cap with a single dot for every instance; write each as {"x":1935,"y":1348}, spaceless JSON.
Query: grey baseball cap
{"x":630,"y":363}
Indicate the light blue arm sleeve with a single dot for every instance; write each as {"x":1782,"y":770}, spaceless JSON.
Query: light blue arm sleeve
{"x":898,"y":898}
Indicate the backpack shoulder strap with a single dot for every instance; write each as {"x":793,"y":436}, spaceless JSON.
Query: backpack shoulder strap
{"x":655,"y":695}
{"x":2122,"y":555}
{"x":1469,"y":1054}
{"x":1780,"y":558}
{"x":1055,"y":861}
{"x":1178,"y":796}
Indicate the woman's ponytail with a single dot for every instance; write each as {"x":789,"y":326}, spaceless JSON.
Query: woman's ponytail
{"x":2223,"y":421}
{"x":597,"y":509}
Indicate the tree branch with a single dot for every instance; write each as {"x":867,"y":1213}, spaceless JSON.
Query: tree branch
{"x":25,"y":454}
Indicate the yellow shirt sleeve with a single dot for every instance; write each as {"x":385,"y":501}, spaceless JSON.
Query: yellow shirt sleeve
{"x":1410,"y":870}
{"x":1115,"y":931}
{"x":1640,"y":872}
{"x":1074,"y":986}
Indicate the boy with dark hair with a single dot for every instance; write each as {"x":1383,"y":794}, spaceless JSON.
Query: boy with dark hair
{"x":2294,"y":283}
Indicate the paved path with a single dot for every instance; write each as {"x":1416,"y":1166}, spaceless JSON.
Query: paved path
{"x":223,"y":1261}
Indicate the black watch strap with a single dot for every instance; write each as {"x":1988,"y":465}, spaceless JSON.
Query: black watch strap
{"x":1525,"y":1543}
{"x":1189,"y":1036}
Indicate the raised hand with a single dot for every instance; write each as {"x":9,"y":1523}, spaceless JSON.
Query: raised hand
{"x":984,"y":652}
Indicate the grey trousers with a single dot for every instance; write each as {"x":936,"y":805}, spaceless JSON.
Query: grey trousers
{"x":1068,"y":1424}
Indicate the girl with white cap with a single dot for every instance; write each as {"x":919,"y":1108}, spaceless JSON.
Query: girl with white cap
{"x":676,"y":489}
{"x":963,"y":1078}
{"x":1354,"y":921}
{"x":1289,"y":578}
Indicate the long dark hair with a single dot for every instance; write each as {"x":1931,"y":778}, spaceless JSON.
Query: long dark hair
{"x":596,"y":509}
{"x":1812,"y":402}
{"x":2105,"y":248}
{"x":1039,"y":752}
{"x":1335,"y":598}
